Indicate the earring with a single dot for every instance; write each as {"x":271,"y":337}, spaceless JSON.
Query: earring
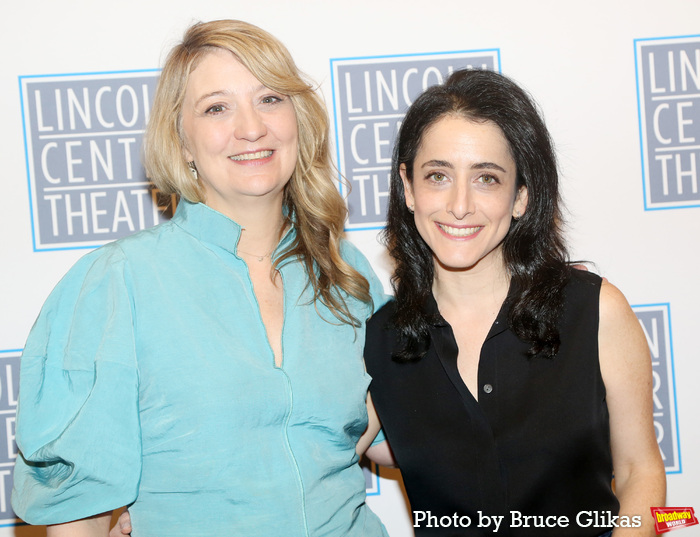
{"x":516,"y":216}
{"x":193,"y":170}
{"x":410,"y":209}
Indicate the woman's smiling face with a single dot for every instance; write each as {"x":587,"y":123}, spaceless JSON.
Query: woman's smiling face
{"x":241,"y":135}
{"x":463,"y":192}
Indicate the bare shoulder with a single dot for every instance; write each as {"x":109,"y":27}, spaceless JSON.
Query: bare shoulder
{"x":612,"y":300}
{"x":622,"y":344}
{"x":615,"y":311}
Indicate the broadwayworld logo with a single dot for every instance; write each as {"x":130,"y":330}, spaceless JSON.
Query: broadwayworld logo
{"x":668,"y":92}
{"x":370,"y":98}
{"x":83,"y":138}
{"x":673,"y":518}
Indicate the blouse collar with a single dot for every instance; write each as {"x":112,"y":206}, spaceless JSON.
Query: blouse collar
{"x":213,"y":227}
{"x":436,"y":320}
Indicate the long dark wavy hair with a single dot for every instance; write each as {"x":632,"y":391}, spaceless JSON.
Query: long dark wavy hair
{"x":533,"y":249}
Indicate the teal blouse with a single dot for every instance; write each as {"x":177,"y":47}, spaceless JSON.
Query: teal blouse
{"x":148,"y":380}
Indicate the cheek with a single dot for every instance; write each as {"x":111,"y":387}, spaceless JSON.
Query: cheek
{"x":427,"y":201}
{"x":287,"y":128}
{"x":426,"y":232}
{"x":294,"y":141}
{"x":424,"y":207}
{"x":290,"y":149}
{"x":198,"y":142}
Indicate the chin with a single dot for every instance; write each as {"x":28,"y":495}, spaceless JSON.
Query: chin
{"x":453,"y":264}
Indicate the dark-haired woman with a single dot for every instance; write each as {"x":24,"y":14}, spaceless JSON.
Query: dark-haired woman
{"x":510,"y":386}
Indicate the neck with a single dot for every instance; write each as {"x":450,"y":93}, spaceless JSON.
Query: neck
{"x":261,"y":221}
{"x":480,"y":285}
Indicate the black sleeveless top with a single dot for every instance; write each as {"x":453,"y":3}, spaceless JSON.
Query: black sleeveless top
{"x":537,"y":442}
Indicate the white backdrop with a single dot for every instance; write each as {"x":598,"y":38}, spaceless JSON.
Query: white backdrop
{"x":579,"y":61}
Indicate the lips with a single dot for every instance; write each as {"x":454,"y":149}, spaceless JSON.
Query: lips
{"x":252,"y":156}
{"x":459,"y":232}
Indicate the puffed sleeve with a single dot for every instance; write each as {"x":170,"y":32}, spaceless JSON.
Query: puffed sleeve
{"x":77,"y":419}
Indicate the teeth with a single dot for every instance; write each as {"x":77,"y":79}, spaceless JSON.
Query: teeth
{"x":459,"y":231}
{"x":252,"y":156}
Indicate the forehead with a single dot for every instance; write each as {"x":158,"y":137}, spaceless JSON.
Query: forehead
{"x":462,"y":137}
{"x":220,"y":70}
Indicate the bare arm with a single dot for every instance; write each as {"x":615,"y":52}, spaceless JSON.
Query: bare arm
{"x":95,"y":526}
{"x":381,"y":453}
{"x":640,"y":478}
{"x":123,"y":525}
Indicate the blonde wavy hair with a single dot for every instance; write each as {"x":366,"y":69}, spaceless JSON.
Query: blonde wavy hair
{"x":311,"y":197}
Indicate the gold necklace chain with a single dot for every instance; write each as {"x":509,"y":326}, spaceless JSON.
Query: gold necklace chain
{"x":259,"y":257}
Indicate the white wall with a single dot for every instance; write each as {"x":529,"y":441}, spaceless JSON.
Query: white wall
{"x":578,"y":59}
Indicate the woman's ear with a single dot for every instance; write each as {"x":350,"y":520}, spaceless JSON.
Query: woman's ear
{"x":520,"y":205}
{"x":407,"y":187}
{"x":189,"y":157}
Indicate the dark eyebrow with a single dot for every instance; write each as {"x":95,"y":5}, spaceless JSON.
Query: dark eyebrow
{"x":477,"y":166}
{"x":438,"y":163}
{"x":488,"y":166}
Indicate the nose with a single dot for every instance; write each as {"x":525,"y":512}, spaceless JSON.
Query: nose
{"x":249,"y":124}
{"x":461,"y":201}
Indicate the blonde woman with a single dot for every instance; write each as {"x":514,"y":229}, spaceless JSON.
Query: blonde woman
{"x":208,"y":372}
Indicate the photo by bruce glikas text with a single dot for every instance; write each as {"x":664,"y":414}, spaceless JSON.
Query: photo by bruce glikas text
{"x":516,"y":519}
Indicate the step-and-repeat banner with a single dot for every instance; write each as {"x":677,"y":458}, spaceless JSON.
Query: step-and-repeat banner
{"x":618,"y":83}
